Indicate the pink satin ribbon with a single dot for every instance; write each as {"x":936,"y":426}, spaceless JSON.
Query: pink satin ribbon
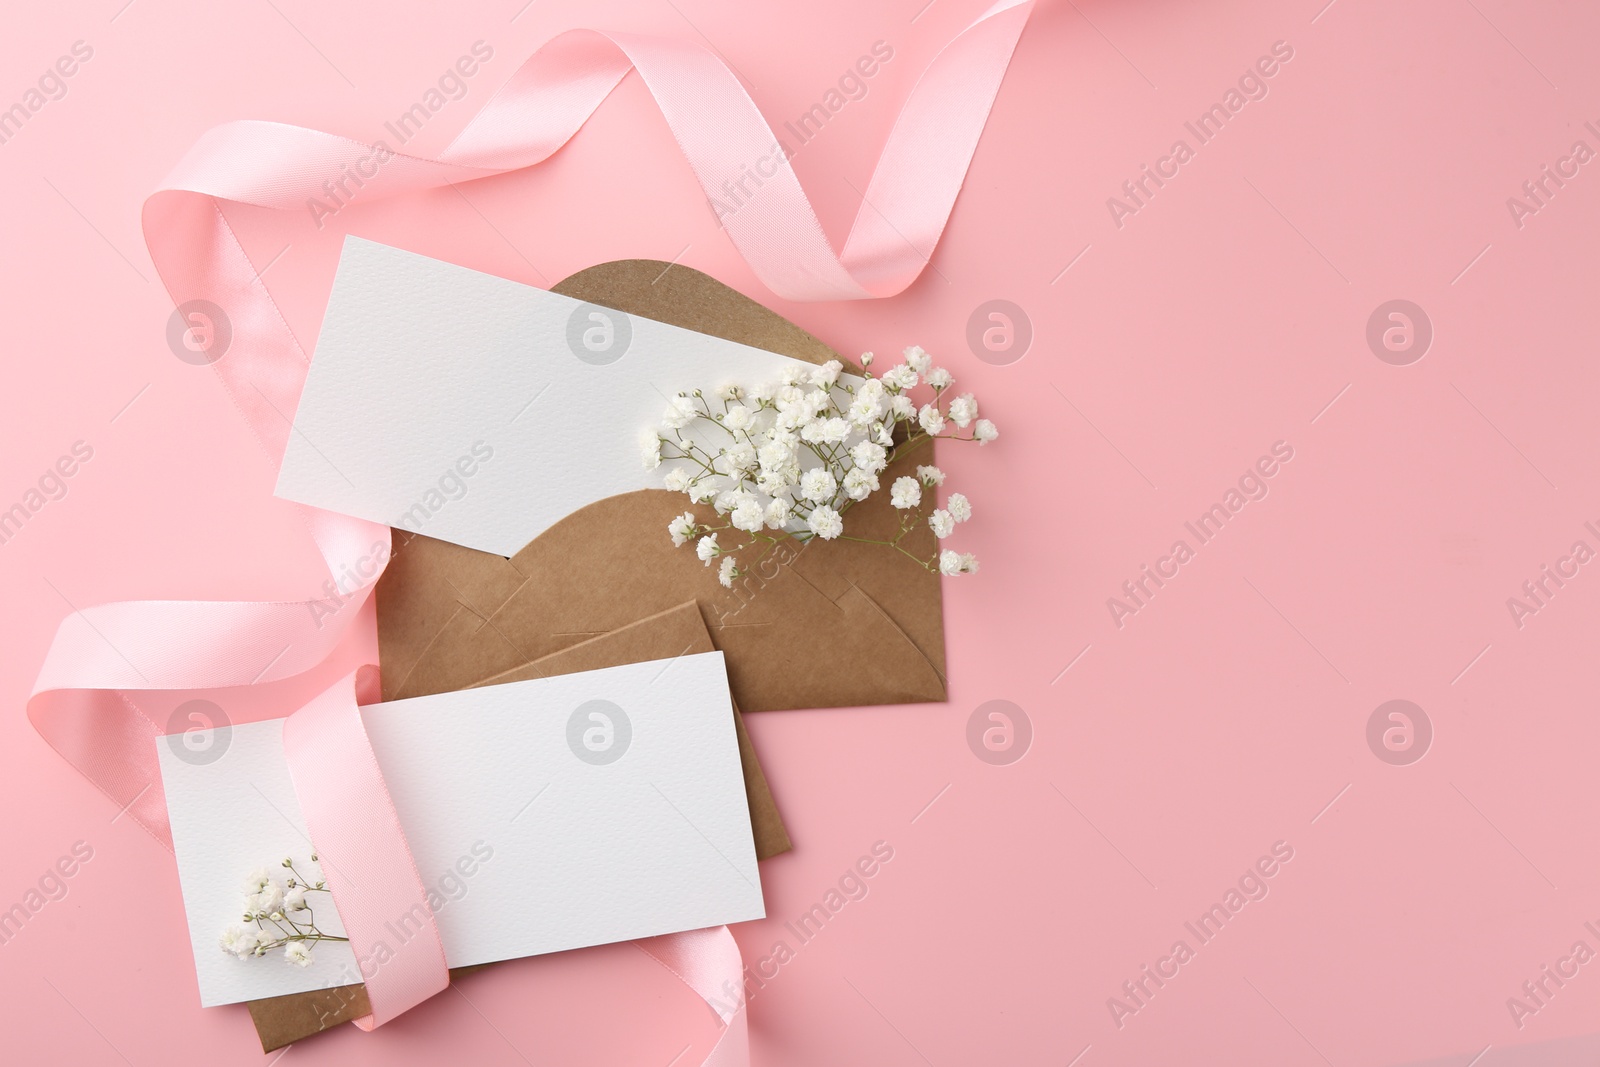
{"x":83,"y":701}
{"x":365,"y":858}
{"x":708,"y":962}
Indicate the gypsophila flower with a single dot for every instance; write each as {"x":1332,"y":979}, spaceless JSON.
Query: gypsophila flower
{"x":825,"y":522}
{"x":786,"y":459}
{"x":239,"y":941}
{"x":774,"y":483}
{"x":864,"y":410}
{"x":778,"y":513}
{"x":267,"y":901}
{"x":682,"y":529}
{"x":828,"y":373}
{"x":749,"y":516}
{"x":268,"y":922}
{"x":858,"y":484}
{"x":650,"y":451}
{"x":818,"y":485}
{"x":949,"y":563}
{"x":775,"y":455}
{"x":869,"y":456}
{"x":680,"y":411}
{"x":963,"y":409}
{"x":905,"y":493}
{"x":969,"y":563}
{"x":740,"y":457}
{"x":900,"y":378}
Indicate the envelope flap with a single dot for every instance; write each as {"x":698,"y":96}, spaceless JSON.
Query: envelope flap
{"x":683,"y":296}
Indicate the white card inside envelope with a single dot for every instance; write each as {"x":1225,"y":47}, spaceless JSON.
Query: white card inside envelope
{"x":481,"y":411}
{"x":527,"y":847}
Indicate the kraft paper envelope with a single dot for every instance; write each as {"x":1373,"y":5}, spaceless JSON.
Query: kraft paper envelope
{"x":834,"y":624}
{"x":680,"y":631}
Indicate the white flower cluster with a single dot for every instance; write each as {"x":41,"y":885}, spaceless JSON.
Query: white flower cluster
{"x":281,"y":915}
{"x":788,"y":459}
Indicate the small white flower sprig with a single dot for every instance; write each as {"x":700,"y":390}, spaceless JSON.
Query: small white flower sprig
{"x":281,"y":912}
{"x":799,"y":453}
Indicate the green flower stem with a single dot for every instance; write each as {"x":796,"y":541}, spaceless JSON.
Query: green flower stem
{"x":924,"y":564}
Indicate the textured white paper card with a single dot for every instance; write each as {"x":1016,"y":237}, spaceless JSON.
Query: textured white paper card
{"x":481,"y":411}
{"x":543,"y":815}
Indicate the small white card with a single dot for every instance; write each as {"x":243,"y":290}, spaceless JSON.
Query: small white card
{"x":481,"y":411}
{"x":543,"y":815}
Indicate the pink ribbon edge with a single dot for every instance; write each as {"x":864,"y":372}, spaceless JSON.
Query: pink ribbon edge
{"x":365,"y":858}
{"x":82,"y":703}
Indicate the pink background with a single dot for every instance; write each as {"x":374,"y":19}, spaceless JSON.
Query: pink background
{"x":1230,"y":713}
